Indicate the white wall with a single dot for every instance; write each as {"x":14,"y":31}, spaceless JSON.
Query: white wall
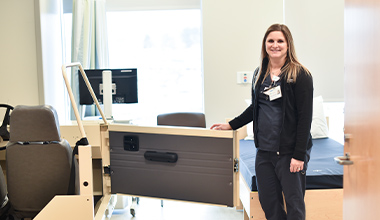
{"x":31,"y":54}
{"x":232,"y":35}
{"x":317,"y":29}
{"x":18,"y":60}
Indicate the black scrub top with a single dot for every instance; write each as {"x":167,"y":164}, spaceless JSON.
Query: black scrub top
{"x":269,"y":118}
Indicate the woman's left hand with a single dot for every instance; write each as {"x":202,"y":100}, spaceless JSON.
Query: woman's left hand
{"x":296,"y":165}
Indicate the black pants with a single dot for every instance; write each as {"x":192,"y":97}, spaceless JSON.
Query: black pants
{"x":273,"y":178}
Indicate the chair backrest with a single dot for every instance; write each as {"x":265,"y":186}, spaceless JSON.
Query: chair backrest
{"x":188,"y":119}
{"x":38,"y":161}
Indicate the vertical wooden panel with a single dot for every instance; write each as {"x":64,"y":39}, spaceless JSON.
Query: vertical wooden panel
{"x":362,"y":110}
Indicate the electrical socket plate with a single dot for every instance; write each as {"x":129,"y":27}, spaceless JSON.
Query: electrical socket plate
{"x":244,"y":77}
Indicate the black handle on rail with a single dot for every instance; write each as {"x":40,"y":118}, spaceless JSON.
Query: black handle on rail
{"x":167,"y":157}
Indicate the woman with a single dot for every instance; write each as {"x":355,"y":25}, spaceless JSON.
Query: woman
{"x":281,"y":111}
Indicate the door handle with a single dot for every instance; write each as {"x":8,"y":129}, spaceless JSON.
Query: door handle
{"x":347,"y":137}
{"x":344,"y":160}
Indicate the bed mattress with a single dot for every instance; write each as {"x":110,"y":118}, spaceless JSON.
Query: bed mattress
{"x":322,"y":172}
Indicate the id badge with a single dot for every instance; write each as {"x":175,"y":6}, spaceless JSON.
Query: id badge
{"x":273,"y":93}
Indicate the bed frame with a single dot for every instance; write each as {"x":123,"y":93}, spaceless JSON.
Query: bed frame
{"x":320,"y":204}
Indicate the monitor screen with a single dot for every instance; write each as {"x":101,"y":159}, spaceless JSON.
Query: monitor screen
{"x":124,"y":86}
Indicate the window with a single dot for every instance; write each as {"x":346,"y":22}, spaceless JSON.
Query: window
{"x":165,"y":47}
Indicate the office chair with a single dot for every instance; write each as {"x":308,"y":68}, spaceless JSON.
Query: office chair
{"x":4,"y":134}
{"x":187,"y":119}
{"x":38,"y":161}
{"x":4,"y":204}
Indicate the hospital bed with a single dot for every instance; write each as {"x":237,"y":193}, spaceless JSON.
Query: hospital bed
{"x":190,"y":164}
{"x":202,"y":155}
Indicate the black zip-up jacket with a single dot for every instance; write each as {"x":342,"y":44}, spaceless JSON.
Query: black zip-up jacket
{"x":297,"y":113}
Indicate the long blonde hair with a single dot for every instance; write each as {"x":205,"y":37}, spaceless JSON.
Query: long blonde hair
{"x":292,"y":66}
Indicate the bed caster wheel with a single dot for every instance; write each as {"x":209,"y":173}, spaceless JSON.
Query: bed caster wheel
{"x":132,"y":211}
{"x":136,"y":199}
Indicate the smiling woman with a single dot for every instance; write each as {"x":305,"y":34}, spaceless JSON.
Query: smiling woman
{"x":281,"y":112}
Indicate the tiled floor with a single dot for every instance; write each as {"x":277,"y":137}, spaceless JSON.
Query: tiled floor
{"x":150,"y":209}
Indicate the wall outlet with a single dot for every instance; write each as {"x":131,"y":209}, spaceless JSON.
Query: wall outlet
{"x":244,"y":77}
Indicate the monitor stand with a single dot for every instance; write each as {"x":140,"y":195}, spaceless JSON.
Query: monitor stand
{"x":107,"y":94}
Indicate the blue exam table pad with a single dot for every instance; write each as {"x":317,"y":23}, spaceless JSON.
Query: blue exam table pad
{"x":322,"y":172}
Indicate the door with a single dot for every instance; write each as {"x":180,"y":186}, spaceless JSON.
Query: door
{"x":362,"y":109}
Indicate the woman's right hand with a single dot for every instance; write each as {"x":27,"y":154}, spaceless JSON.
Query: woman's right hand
{"x":221,"y":126}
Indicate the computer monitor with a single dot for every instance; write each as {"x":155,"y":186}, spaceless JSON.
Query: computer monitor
{"x":124,"y":86}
